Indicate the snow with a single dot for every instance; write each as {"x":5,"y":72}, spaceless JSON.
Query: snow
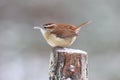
{"x":72,"y":68}
{"x":67,"y":50}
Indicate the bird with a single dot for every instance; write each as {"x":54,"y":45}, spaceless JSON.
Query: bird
{"x":60,"y":35}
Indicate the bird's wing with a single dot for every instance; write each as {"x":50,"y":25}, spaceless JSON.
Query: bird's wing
{"x":64,"y":33}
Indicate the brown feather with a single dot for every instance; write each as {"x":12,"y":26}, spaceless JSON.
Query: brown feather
{"x":64,"y":31}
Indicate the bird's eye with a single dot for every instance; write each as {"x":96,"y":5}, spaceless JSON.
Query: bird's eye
{"x":45,"y":27}
{"x":49,"y":26}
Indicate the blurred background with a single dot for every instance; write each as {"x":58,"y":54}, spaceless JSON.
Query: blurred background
{"x":24,"y":54}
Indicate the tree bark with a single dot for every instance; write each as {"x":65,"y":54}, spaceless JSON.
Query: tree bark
{"x":68,"y":64}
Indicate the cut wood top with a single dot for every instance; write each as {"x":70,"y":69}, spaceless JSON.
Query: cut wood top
{"x":68,"y":50}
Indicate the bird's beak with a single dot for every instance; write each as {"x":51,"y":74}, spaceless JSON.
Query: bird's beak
{"x":36,"y":27}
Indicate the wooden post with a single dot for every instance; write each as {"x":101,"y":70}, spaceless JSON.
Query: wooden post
{"x":68,"y":64}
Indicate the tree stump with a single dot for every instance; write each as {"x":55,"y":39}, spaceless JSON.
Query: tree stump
{"x":68,"y":64}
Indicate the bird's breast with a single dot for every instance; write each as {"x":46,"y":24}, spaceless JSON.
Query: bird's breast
{"x":57,"y":41}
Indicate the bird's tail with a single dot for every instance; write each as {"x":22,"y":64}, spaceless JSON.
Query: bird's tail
{"x":83,"y":24}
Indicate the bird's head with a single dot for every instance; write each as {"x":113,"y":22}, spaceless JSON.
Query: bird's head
{"x":49,"y":26}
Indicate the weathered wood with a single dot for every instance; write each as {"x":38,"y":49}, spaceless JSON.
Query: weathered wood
{"x":68,"y":64}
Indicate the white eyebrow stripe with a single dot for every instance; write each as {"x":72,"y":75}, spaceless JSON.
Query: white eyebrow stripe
{"x":51,"y":25}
